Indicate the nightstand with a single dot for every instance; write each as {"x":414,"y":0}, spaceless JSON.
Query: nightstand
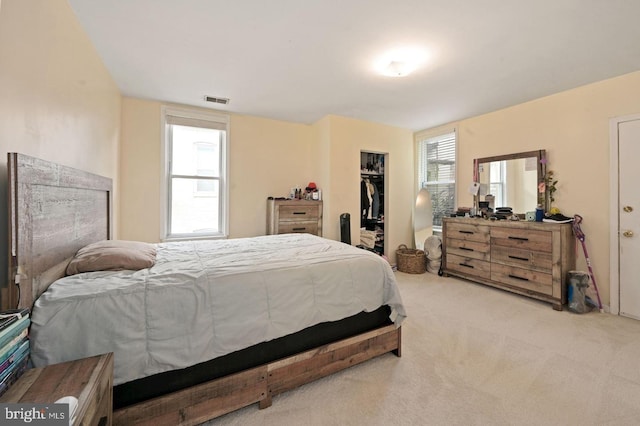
{"x":88,"y":379}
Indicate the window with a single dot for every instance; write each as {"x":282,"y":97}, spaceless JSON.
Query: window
{"x":437,"y":173}
{"x":496,"y":178}
{"x":195,"y":160}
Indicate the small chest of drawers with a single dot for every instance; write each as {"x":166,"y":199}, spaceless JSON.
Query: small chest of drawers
{"x":294,"y":216}
{"x":529,"y":258}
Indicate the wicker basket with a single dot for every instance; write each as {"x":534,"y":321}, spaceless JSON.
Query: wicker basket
{"x":411,"y":261}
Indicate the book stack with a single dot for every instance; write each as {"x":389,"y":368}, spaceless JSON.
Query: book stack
{"x":14,"y":346}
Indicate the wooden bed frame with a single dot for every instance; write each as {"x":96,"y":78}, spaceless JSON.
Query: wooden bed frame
{"x":55,"y":210}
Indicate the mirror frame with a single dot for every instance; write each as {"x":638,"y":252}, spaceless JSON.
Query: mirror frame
{"x":541,"y":156}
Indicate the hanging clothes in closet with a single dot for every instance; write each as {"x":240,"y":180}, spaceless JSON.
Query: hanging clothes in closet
{"x":375,"y":203}
{"x":369,"y":199}
{"x":364,"y":199}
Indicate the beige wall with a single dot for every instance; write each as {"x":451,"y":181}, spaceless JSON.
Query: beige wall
{"x":57,"y":100}
{"x":266,"y":158}
{"x":321,"y":154}
{"x":140,"y":174}
{"x":573,"y":127}
{"x":347,"y":138}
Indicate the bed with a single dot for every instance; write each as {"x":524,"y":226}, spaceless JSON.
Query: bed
{"x":307,"y":306}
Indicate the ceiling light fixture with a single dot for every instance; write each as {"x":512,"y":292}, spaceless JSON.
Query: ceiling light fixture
{"x":400,"y":62}
{"x":398,"y":69}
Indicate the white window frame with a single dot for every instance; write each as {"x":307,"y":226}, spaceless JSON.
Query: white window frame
{"x":431,"y":134}
{"x":501,"y":184}
{"x":221,"y":120}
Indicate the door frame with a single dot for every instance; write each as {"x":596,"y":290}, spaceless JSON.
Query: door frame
{"x":614,"y":211}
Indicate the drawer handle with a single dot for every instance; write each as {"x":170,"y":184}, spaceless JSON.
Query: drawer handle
{"x":299,"y":212}
{"x":466,"y":248}
{"x":299,"y":229}
{"x":519,"y":258}
{"x":466,"y":266}
{"x":466,"y":232}
{"x":519,"y":238}
{"x":518,"y":278}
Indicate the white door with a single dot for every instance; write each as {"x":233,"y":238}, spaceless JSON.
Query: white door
{"x":629,"y":217}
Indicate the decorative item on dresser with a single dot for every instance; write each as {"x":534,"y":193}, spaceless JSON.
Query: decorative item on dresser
{"x":528,"y":258}
{"x":286,"y":216}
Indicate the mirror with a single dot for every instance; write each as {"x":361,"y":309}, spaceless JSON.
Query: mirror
{"x":512,"y":179}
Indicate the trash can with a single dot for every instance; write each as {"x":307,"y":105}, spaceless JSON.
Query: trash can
{"x":578,"y":282}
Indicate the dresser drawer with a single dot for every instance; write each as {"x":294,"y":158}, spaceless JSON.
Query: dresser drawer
{"x":468,"y":231}
{"x":299,"y":213}
{"x":299,"y":227}
{"x":538,"y":260}
{"x":529,"y":239}
{"x":290,"y":216}
{"x":466,"y":248}
{"x":467,"y":265}
{"x":539,"y":282}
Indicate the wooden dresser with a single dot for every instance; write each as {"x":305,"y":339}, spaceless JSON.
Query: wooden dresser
{"x":88,"y":379}
{"x":528,"y":258}
{"x":287,"y":216}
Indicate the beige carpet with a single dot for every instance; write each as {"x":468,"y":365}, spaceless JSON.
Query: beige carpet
{"x":473,"y":355}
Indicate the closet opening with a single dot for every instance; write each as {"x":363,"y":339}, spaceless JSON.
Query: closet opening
{"x":373,"y":186}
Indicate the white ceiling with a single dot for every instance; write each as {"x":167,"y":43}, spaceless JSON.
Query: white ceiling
{"x":299,"y":60}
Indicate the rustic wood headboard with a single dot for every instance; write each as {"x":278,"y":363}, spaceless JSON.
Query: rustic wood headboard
{"x":54,"y":210}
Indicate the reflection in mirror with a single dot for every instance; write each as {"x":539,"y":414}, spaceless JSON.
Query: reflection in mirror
{"x":512,"y":180}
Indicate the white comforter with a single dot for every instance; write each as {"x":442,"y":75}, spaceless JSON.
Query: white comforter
{"x":204,"y":299}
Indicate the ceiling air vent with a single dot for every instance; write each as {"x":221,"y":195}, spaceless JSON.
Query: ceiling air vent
{"x":215,"y":100}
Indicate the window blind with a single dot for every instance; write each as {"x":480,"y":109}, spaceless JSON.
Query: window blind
{"x":437,"y":173}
